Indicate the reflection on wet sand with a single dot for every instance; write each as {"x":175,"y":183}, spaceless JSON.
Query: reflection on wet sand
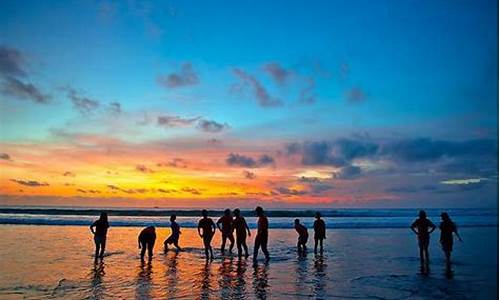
{"x":260,"y":280}
{"x":448,"y":271}
{"x":301,"y":275}
{"x":144,"y":283}
{"x":97,"y":273}
{"x":171,"y":264}
{"x":424,"y":268}
{"x":232,"y":278}
{"x":205,"y":285}
{"x":320,"y":277}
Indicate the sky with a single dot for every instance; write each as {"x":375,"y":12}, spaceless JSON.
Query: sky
{"x":285,"y":104}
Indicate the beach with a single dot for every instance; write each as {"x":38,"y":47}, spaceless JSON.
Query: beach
{"x":47,"y":262}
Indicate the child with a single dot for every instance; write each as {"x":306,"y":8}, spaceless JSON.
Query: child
{"x":319,"y":233}
{"x":174,"y":235}
{"x":303,"y":236}
{"x":206,"y":230}
{"x":226,"y":221}
{"x":421,"y":228}
{"x":147,"y":239}
{"x":100,"y":232}
{"x":447,"y":228}
{"x":240,"y":226}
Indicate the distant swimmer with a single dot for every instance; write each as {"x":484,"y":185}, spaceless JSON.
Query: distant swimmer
{"x":421,"y":228}
{"x":319,"y":233}
{"x":100,"y":229}
{"x":447,"y":228}
{"x":225,"y":224}
{"x":147,"y":239}
{"x":174,"y":235}
{"x":241,"y":228}
{"x":206,"y":230}
{"x":262,"y":234}
{"x":303,"y":236}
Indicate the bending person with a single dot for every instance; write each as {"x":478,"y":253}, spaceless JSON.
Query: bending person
{"x":146,"y":240}
{"x":174,"y":235}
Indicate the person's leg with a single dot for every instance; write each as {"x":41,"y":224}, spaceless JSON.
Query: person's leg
{"x":321,"y":246}
{"x":231,"y":240}
{"x":206,"y":245}
{"x":238,"y":246}
{"x":176,"y":244}
{"x":97,"y":247}
{"x":143,"y":250}
{"x":264,"y":248}
{"x":256,"y":247}
{"x":223,"y":245}
{"x":315,"y":246}
{"x":421,"y":251}
{"x":150,"y":249}
{"x":244,"y":244}
{"x":103,"y":247}
{"x":211,"y":252}
{"x":298,"y":247}
{"x":426,"y":252}
{"x":165,"y":246}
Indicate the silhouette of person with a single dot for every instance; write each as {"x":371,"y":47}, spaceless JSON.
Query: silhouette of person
{"x":226,"y":229}
{"x":174,"y":235}
{"x":147,"y":239}
{"x":447,"y":228}
{"x":319,"y":233}
{"x":421,"y":228}
{"x":262,"y":234}
{"x":241,"y":227}
{"x":206,"y":230}
{"x":303,"y":236}
{"x":101,"y":230}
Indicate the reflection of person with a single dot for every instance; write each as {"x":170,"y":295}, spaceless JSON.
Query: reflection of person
{"x":226,"y":229}
{"x":241,"y":227}
{"x":421,"y":228}
{"x":101,"y":229}
{"x":206,"y":230}
{"x":319,"y":233}
{"x":174,"y":235}
{"x":147,"y":239}
{"x":262,"y":234}
{"x":447,"y":228}
{"x":303,"y":236}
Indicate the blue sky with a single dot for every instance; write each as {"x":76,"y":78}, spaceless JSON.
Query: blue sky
{"x":265,"y":72}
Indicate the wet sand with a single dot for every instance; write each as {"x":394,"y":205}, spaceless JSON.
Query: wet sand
{"x":46,"y":262}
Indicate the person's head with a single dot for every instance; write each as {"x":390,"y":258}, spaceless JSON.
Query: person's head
{"x":151,"y":228}
{"x":227,"y":212}
{"x":317,"y":215}
{"x":236,"y":212}
{"x":172,"y":218}
{"x":259,"y":211}
{"x":104,"y":216}
{"x":445,"y":217}
{"x":422,"y":214}
{"x":297,"y":221}
{"x":204,"y":213}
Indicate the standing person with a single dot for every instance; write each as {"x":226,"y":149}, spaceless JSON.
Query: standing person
{"x":303,"y":236}
{"x":147,"y":239}
{"x":174,"y":235}
{"x":206,"y":230}
{"x":421,"y":228}
{"x":241,"y":227}
{"x":226,"y":229}
{"x":262,"y":234}
{"x":101,"y":230}
{"x":447,"y":228}
{"x":319,"y":233}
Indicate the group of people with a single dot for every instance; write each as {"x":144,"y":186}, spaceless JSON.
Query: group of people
{"x":233,"y":223}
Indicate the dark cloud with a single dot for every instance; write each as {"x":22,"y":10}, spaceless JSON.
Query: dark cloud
{"x":348,"y":173}
{"x":320,"y":188}
{"x":411,"y":189}
{"x":290,"y":192}
{"x":11,"y":62}
{"x":185,"y":77}
{"x":249,"y":175}
{"x":306,"y":94}
{"x":68,"y":174}
{"x":19,"y":89}
{"x":176,"y":121}
{"x":30,"y":183}
{"x":214,"y":142}
{"x":277,"y":72}
{"x":336,"y":153}
{"x":355,"y":95}
{"x":127,"y":191}
{"x":82,"y":104}
{"x":4,"y":156}
{"x":88,"y":191}
{"x":191,"y":190}
{"x":260,"y":93}
{"x":115,"y":107}
{"x":234,"y":159}
{"x":174,"y":163}
{"x":305,"y":179}
{"x":211,"y":126}
{"x":143,"y":169}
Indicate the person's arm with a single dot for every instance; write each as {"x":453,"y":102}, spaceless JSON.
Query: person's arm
{"x":432,"y":226}
{"x":139,"y":240}
{"x":248,"y":229}
{"x":214,"y":229}
{"x":412,"y":227}
{"x":218,"y":224}
{"x":92,"y":228}
{"x":199,"y":231}
{"x":456,"y":233}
